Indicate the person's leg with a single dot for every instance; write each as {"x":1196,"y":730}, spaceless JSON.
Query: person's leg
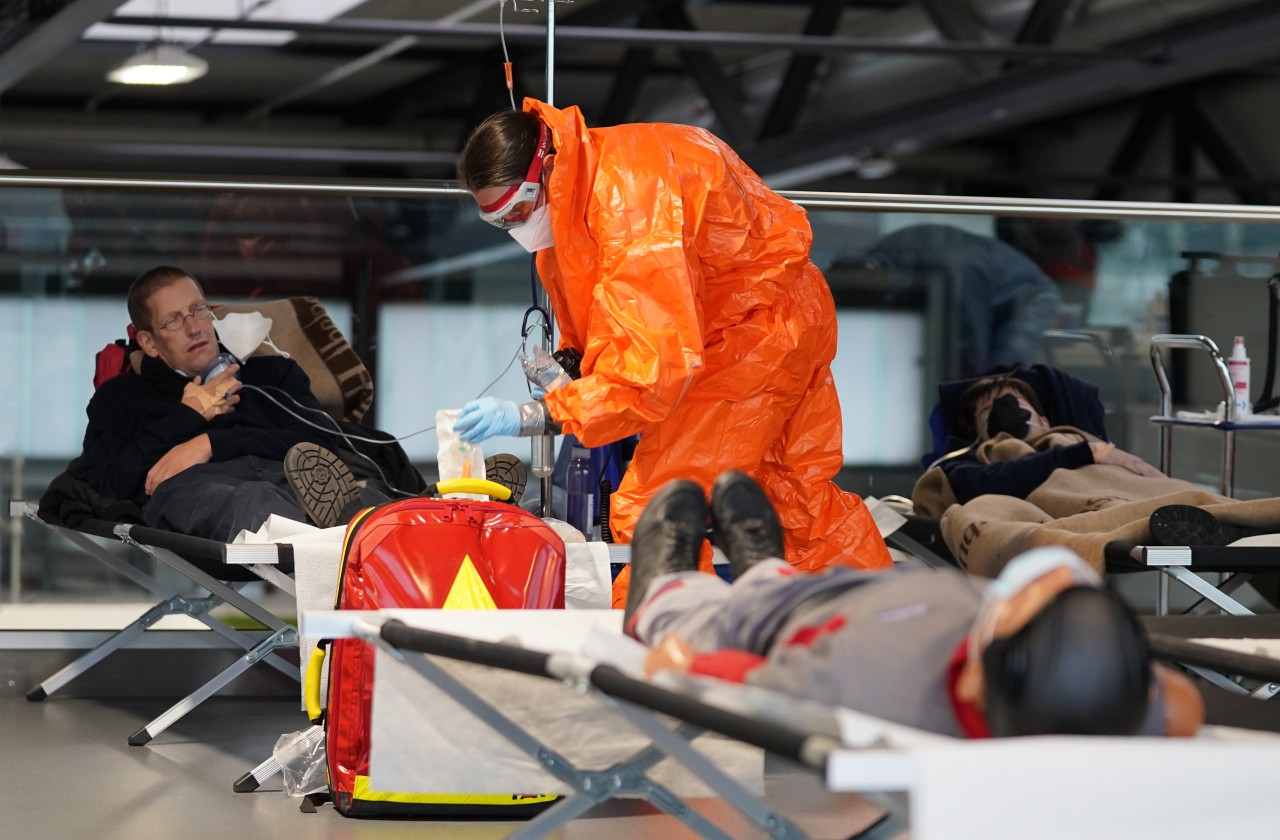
{"x":783,"y":429}
{"x":746,"y":525}
{"x":824,"y":525}
{"x":323,"y":484}
{"x":219,"y":500}
{"x":711,"y":615}
{"x":668,"y":540}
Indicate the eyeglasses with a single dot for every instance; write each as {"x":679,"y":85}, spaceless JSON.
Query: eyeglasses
{"x":200,"y":312}
{"x":514,"y":206}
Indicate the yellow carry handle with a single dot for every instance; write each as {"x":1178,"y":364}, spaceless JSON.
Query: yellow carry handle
{"x":474,"y":485}
{"x":315,"y":667}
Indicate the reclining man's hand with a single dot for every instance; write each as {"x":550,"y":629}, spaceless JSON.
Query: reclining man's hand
{"x":1108,"y":453}
{"x":195,"y":451}
{"x":671,"y":654}
{"x":218,"y":396}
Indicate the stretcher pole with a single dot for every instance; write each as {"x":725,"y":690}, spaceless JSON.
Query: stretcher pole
{"x":542,"y":456}
{"x":805,"y":748}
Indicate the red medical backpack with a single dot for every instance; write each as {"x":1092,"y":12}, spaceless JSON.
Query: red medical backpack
{"x":429,"y":553}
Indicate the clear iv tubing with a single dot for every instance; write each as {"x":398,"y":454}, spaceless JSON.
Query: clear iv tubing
{"x":334,"y":429}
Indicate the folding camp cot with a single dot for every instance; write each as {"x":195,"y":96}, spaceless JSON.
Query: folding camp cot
{"x":1046,"y":787}
{"x":217,"y":568}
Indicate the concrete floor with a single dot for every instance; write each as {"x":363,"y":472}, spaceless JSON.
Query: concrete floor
{"x":67,"y":772}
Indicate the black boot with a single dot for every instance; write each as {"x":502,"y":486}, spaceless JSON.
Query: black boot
{"x":745,"y":522}
{"x":509,"y":471}
{"x":667,"y":538}
{"x":1192,"y":526}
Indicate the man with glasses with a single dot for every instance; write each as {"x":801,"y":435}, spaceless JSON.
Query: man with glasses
{"x":212,"y":458}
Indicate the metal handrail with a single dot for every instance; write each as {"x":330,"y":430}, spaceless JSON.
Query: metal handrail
{"x":1196,"y":342}
{"x":1086,"y":337}
{"x":1036,"y":207}
{"x":979,"y":205}
{"x":1191,"y":342}
{"x":424,"y":189}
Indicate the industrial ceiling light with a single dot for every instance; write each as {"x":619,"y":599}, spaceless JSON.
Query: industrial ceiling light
{"x":162,"y":64}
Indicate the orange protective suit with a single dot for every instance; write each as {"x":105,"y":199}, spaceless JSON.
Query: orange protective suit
{"x":687,"y":285}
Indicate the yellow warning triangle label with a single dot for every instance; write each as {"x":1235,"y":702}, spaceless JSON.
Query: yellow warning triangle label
{"x":468,"y":591}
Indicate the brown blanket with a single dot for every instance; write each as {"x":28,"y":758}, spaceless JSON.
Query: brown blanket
{"x":1082,"y":509}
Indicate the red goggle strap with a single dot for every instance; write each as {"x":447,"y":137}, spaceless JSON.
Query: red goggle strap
{"x":531,"y":177}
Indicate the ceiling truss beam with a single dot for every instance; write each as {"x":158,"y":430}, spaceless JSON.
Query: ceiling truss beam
{"x":1235,"y":38}
{"x":50,"y":38}
{"x":632,"y":36}
{"x":802,"y":70}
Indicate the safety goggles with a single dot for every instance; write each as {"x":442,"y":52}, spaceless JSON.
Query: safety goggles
{"x":514,"y":206}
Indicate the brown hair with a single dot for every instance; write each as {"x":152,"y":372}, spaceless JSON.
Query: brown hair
{"x":967,"y":403}
{"x":499,"y":150}
{"x":147,"y":284}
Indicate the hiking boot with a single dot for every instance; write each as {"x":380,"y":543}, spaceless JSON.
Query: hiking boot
{"x":1192,"y":526}
{"x":325,"y":488}
{"x":509,"y":471}
{"x":667,"y":538}
{"x":745,"y":522}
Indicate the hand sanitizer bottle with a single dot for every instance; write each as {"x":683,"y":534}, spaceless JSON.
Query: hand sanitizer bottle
{"x":1238,"y":365}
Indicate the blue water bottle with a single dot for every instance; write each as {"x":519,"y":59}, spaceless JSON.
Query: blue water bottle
{"x":580,"y":482}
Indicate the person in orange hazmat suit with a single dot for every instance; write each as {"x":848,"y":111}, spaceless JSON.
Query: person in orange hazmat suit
{"x":703,"y":325}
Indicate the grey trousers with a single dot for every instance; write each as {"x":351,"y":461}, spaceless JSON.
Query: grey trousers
{"x":711,"y":614}
{"x":218,"y":500}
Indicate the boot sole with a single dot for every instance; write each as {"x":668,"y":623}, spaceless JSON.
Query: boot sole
{"x":1192,"y":526}
{"x":321,"y":481}
{"x":509,"y":471}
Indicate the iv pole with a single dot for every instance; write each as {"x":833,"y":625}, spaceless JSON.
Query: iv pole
{"x":542,"y":457}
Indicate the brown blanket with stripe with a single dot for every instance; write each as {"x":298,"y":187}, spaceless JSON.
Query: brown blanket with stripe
{"x":1082,"y":509}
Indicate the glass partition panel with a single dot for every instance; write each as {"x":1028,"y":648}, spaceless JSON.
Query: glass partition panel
{"x":928,"y":290}
{"x":1084,"y":293}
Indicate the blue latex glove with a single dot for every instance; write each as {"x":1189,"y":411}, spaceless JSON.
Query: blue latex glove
{"x":487,"y":417}
{"x":537,"y":392}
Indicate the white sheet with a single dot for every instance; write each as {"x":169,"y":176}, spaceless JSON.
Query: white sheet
{"x":1256,"y":647}
{"x":1099,"y":788}
{"x":423,"y":740}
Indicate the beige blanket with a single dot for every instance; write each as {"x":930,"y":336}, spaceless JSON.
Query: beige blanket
{"x":1082,"y":509}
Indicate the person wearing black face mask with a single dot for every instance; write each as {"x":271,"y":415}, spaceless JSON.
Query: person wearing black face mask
{"x":1025,"y":482}
{"x":997,"y":409}
{"x":1009,"y":416}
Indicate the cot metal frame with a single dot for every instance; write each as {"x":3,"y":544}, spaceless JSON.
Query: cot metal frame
{"x":262,"y":561}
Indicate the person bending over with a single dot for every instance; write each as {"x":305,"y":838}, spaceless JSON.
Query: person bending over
{"x":209,"y":459}
{"x":685,"y":286}
{"x":1043,"y":649}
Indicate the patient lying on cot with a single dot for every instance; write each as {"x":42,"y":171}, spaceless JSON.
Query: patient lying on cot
{"x":1044,"y":649}
{"x":1006,"y":407}
{"x":1027,"y":483}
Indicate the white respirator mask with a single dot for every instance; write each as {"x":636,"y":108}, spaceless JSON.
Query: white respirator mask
{"x":534,"y":234}
{"x":243,"y":333}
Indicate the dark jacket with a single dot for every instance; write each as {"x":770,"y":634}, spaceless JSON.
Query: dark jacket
{"x":135,"y":419}
{"x":969,"y":478}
